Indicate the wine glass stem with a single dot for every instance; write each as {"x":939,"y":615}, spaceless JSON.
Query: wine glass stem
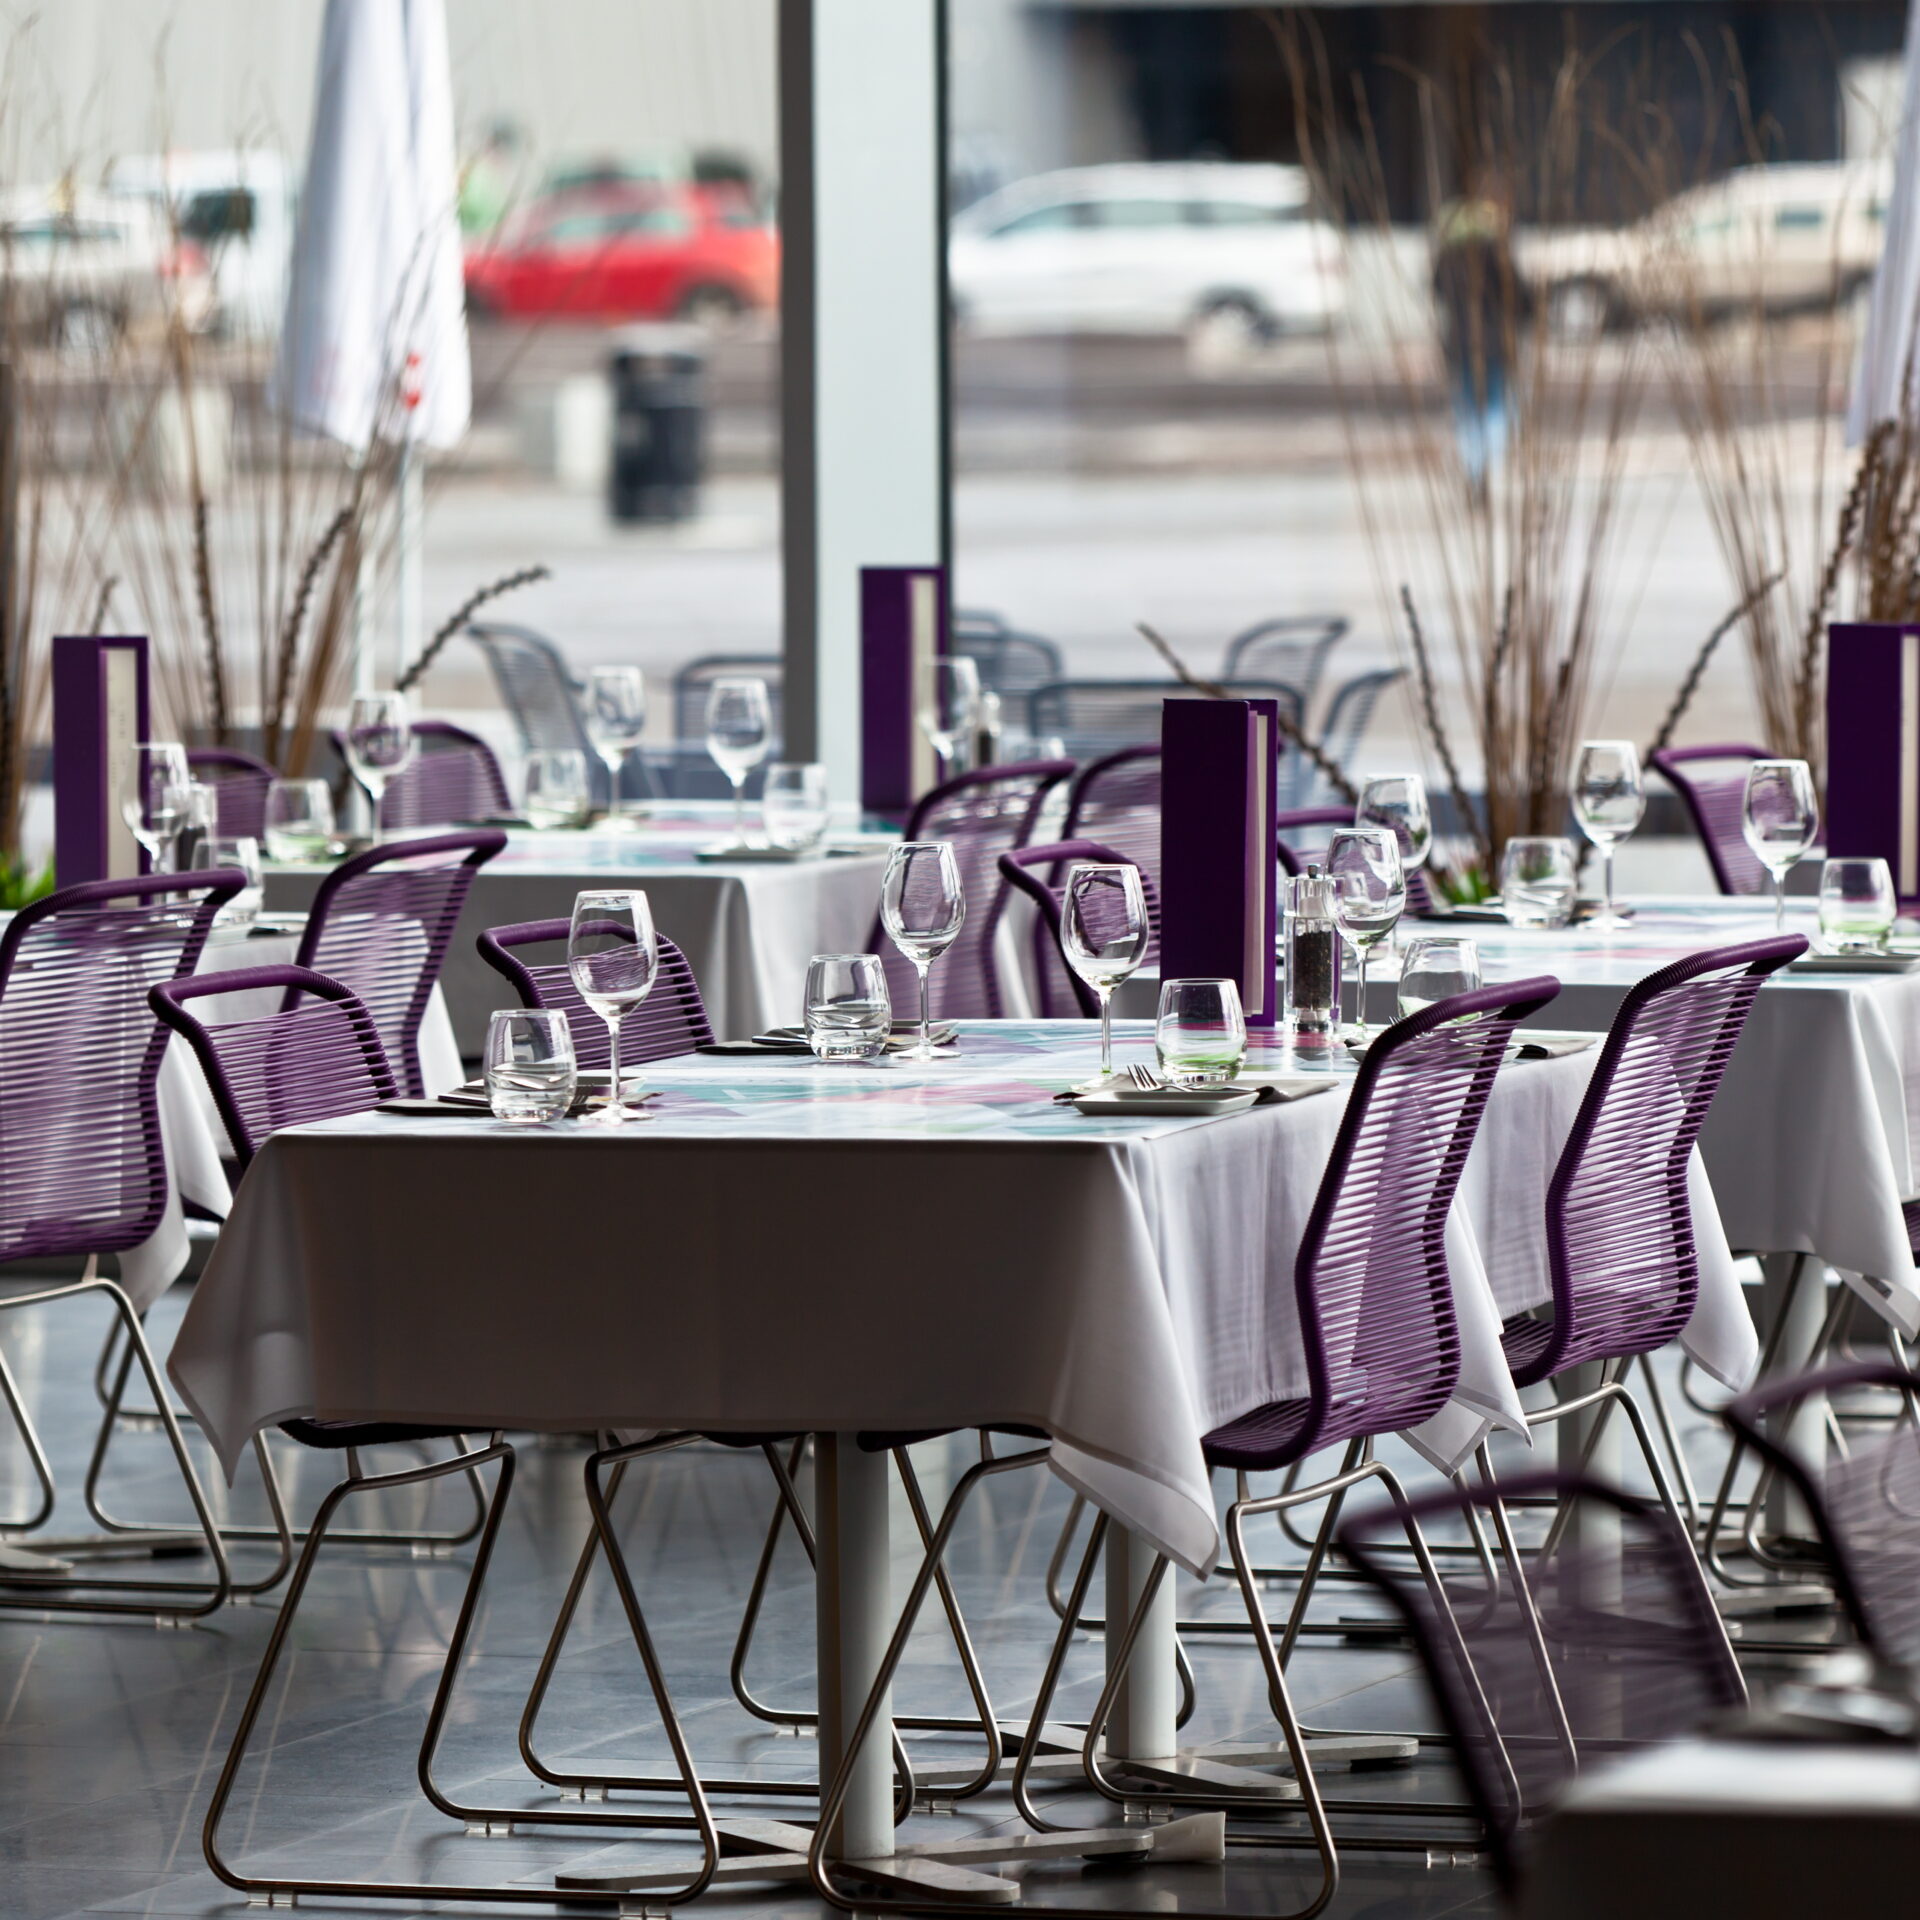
{"x":615,"y":1110}
{"x":375,"y":791}
{"x":739,"y":808}
{"x":1606,"y":882}
{"x":926,"y":1022}
{"x":1362,"y":1011}
{"x":1780,"y":900}
{"x":1106,"y":1032}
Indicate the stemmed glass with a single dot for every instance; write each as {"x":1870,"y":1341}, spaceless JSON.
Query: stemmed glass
{"x":1778,"y":818}
{"x":1608,"y":799}
{"x":951,"y":716}
{"x":616,"y":719}
{"x":152,"y":809}
{"x":613,"y":955}
{"x":379,"y":744}
{"x":739,"y":736}
{"x":1369,"y":891}
{"x":923,"y":907}
{"x":1398,"y":802}
{"x":1103,"y":935}
{"x":1437,"y":968}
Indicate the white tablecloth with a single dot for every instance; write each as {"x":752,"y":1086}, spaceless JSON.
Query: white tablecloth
{"x":787,"y":1246}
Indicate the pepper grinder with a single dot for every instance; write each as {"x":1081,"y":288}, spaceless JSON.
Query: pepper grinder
{"x":1312,"y":1001}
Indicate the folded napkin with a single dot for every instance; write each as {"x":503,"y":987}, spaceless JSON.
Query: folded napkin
{"x":1552,"y":1046}
{"x":1267,"y":1090}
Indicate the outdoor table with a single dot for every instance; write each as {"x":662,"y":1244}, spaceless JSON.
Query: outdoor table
{"x":837,"y":1249}
{"x":748,"y":928}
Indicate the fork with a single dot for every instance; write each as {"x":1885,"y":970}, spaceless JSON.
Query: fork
{"x":1144,"y":1080}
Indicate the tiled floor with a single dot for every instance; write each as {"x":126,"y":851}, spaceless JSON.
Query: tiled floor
{"x":111,"y":1735}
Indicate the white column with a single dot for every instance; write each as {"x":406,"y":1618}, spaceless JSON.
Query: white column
{"x":850,"y":1517}
{"x":1142,"y":1727}
{"x":863,"y":338}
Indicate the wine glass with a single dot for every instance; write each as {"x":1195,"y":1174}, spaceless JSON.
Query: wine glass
{"x":950,"y":718}
{"x":1369,"y":891}
{"x":1857,"y":905}
{"x":1398,"y":802}
{"x":1103,"y":936}
{"x":1608,"y":799}
{"x":616,"y":718}
{"x":1539,"y":877}
{"x":299,"y":820}
{"x":555,"y":789}
{"x":1778,"y":818}
{"x":923,"y":907}
{"x":613,"y":956}
{"x":379,"y":744}
{"x":1437,"y":968}
{"x":739,"y":736}
{"x":793,"y":806}
{"x":152,"y":809}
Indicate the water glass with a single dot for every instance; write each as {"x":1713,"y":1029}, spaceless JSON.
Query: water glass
{"x":556,"y":791}
{"x":1857,"y":906}
{"x":616,"y":714}
{"x":1200,"y":1034}
{"x":1398,"y":802}
{"x":530,"y":1066}
{"x":793,"y":806}
{"x":950,"y":716}
{"x":1104,"y":932}
{"x":1778,"y":818}
{"x":1539,"y":877}
{"x":152,"y":808}
{"x":923,"y":906}
{"x":379,"y":744}
{"x":299,"y":820}
{"x":1437,"y":968}
{"x":739,"y":737}
{"x":1369,"y":892}
{"x":1609,"y":797}
{"x":849,"y":1013}
{"x":613,"y":956}
{"x":208,"y":850}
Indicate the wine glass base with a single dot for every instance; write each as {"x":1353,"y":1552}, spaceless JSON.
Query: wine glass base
{"x":1604,"y":922}
{"x":1101,"y":1083}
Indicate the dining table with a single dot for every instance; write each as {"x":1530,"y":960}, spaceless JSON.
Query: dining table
{"x":748,"y":925}
{"x":833,"y":1249}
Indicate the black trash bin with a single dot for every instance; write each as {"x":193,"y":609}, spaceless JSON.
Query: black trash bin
{"x":659,"y":425}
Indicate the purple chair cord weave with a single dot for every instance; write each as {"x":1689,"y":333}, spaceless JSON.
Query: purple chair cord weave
{"x":1062,"y":994}
{"x":239,"y":782}
{"x":1293,"y":861}
{"x":453,"y":776}
{"x":1116,"y":801}
{"x":1714,"y":803}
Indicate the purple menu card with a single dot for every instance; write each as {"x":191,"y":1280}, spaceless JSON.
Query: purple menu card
{"x":903,"y":624}
{"x":1873,"y":747}
{"x":99,"y":712}
{"x":1219,"y":773}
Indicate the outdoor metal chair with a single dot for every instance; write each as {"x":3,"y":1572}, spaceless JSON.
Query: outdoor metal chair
{"x":694,"y":682}
{"x":1294,"y":650}
{"x":452,"y":777}
{"x":381,"y":922}
{"x":539,"y":691}
{"x":1116,"y":800}
{"x":1349,"y":714}
{"x":1713,"y":788}
{"x":239,"y":782}
{"x":1092,"y":718}
{"x":1011,"y":664}
{"x":1060,"y":992}
{"x":984,"y":815}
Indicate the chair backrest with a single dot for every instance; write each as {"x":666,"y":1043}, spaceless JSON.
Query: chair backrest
{"x":239,"y":782}
{"x":316,"y":1057}
{"x":1294,"y":857}
{"x":1864,"y":1507}
{"x":380,"y":925}
{"x":1609,"y":1642}
{"x":1712,"y":789}
{"x":535,"y":685}
{"x":453,"y":776}
{"x":1294,"y":650}
{"x":1011,"y":664}
{"x":671,"y":1020}
{"x":694,"y":681}
{"x":82,"y":1167}
{"x":1374,"y":1291}
{"x":1041,"y":874}
{"x":1095,"y":717}
{"x":984,"y":814}
{"x":1116,"y":800}
{"x":1625,"y":1268}
{"x":1349,"y":713}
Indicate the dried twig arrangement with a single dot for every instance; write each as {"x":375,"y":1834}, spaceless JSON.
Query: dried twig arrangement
{"x":1663,"y":735}
{"x":458,"y":618}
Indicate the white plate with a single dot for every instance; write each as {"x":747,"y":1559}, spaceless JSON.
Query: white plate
{"x":1854,"y":963}
{"x":1166,"y":1100}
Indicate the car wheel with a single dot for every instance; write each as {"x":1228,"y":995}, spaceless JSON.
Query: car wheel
{"x":1579,"y":310}
{"x":1229,"y":329}
{"x":86,"y":330}
{"x":715,"y":308}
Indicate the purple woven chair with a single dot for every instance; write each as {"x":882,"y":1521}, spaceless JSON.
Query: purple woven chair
{"x":1592,"y":1651}
{"x":83,"y":1168}
{"x":381,"y":923}
{"x":1117,"y":802}
{"x":1294,"y":861}
{"x":239,"y":782}
{"x":1712,"y":789}
{"x":1061,"y":993}
{"x":452,"y":777}
{"x":672,"y":1020}
{"x":984,"y":815}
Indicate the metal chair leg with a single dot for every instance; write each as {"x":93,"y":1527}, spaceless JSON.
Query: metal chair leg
{"x":36,"y":1454}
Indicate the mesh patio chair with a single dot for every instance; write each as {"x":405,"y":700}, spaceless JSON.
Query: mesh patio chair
{"x":1349,"y":714}
{"x":694,"y":682}
{"x":381,"y":922}
{"x":452,"y":777}
{"x":1607,"y":1644}
{"x":1116,"y":800}
{"x":672,"y":1020}
{"x":239,"y":782}
{"x":984,"y":815}
{"x":539,"y":691}
{"x":1374,"y":1298}
{"x":1293,"y":650}
{"x":1712,"y":787}
{"x":1011,"y":664}
{"x":83,"y":1169}
{"x":1092,"y":718}
{"x":1296,"y":822}
{"x":1041,"y":874}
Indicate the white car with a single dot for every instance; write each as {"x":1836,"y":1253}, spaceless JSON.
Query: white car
{"x":1148,"y":248}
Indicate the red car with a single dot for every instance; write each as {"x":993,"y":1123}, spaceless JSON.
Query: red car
{"x":680,"y":253}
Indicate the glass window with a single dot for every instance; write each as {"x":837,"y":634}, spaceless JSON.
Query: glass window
{"x":1139,"y":213}
{"x":1800,"y":219}
{"x":225,"y":213}
{"x":1247,"y":213}
{"x":1067,"y":213}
